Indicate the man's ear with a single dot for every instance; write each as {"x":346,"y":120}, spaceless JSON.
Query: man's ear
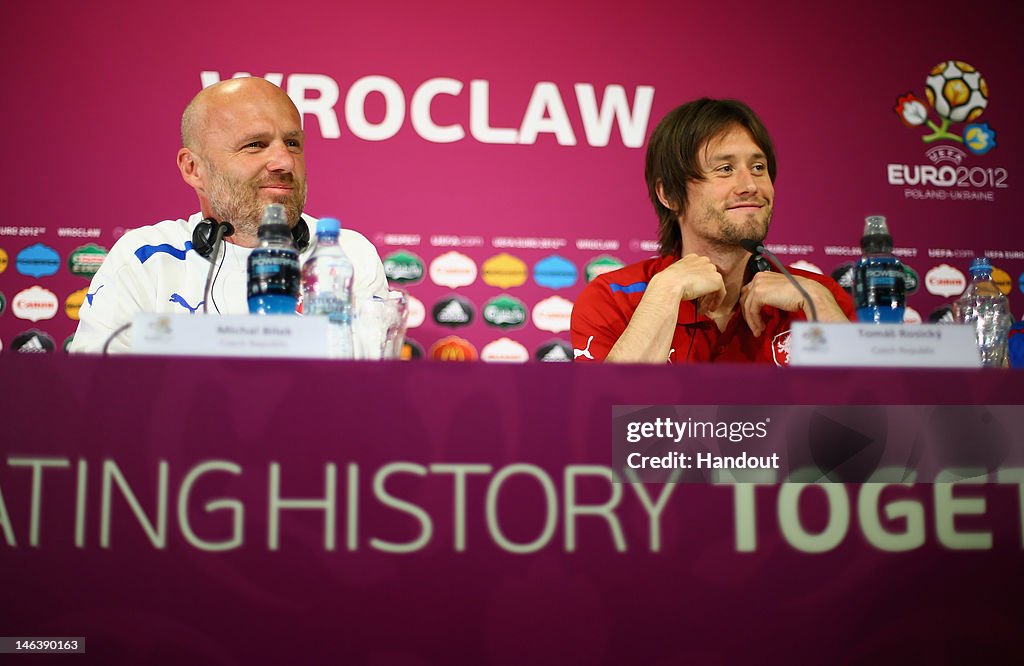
{"x":659,"y":187}
{"x":188,"y":165}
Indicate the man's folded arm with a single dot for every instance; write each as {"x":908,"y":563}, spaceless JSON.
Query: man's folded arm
{"x":600,"y":331}
{"x":648,"y":336}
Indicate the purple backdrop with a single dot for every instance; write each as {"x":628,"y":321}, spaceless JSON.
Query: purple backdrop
{"x":95,"y":97}
{"x":93,"y":103}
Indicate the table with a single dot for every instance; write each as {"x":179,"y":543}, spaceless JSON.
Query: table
{"x":268,"y":511}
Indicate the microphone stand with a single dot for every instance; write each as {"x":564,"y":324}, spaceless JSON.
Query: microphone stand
{"x":220,"y":231}
{"x":755,"y":247}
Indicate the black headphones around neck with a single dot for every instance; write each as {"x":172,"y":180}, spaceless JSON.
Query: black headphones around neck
{"x":205,"y":237}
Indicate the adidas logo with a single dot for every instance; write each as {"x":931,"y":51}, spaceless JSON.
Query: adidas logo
{"x":556,"y":354}
{"x":453,"y":313}
{"x":33,"y":346}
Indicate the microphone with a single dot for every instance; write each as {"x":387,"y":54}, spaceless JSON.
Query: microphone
{"x":756,"y":248}
{"x":219,"y":232}
{"x":758,"y":264}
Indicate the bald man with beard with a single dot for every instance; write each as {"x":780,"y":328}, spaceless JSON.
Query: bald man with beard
{"x":242,"y":148}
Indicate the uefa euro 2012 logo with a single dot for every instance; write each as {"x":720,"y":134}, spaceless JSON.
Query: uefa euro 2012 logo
{"x":957,"y":92}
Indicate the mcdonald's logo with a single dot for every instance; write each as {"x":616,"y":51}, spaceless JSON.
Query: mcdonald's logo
{"x":453,"y":348}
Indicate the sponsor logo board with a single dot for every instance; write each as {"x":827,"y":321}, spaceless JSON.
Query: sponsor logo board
{"x":453,"y":312}
{"x":453,"y":270}
{"x":403,"y":267}
{"x":504,"y":271}
{"x":504,"y":350}
{"x":911,"y":281}
{"x":555,"y":272}
{"x":417,"y":312}
{"x":805,"y":265}
{"x":601,"y":265}
{"x":34,"y":304}
{"x":505,"y":312}
{"x":453,"y":348}
{"x":1002,"y":280}
{"x":73,"y":303}
{"x":552,"y":314}
{"x":33,"y":342}
{"x":411,"y":350}
{"x":84,"y":261}
{"x":555,"y":351}
{"x":37,"y":261}
{"x":944,"y":280}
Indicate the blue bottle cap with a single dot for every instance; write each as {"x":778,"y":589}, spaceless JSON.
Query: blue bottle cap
{"x":328,"y":225}
{"x":980,"y":265}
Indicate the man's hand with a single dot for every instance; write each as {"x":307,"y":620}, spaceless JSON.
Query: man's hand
{"x":693,"y":276}
{"x":775,"y":290}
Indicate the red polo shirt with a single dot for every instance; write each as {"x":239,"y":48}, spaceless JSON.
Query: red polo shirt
{"x":606,"y":305}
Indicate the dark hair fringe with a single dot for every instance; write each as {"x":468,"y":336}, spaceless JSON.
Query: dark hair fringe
{"x":673,"y":156}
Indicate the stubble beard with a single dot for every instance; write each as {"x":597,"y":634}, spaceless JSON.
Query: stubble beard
{"x":239,"y":202}
{"x":753,"y":226}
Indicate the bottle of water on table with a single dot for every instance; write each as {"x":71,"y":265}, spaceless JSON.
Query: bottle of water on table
{"x":327,"y":288}
{"x":986,"y":308}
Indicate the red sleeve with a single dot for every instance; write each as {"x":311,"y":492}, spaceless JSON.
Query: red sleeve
{"x":597,"y":322}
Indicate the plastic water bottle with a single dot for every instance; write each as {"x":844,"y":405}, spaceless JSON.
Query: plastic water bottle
{"x":274,"y":266}
{"x":984,"y":307}
{"x":879,"y":287}
{"x":327,"y":288}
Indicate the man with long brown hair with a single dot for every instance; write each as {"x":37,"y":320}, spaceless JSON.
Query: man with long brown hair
{"x":710,"y":174}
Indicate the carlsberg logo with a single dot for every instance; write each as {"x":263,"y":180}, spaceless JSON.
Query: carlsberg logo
{"x":504,"y":316}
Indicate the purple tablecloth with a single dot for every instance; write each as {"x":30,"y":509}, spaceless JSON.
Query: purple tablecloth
{"x":471,"y":521}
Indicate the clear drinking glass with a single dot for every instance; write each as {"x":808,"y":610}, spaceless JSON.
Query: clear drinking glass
{"x":379,"y":326}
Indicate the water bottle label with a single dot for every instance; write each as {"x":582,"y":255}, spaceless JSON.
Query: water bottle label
{"x":274,"y":272}
{"x":325,"y":304}
{"x":881,"y":276}
{"x":879,"y":283}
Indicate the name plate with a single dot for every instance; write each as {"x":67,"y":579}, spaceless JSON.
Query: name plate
{"x":277,"y":336}
{"x":883,"y":345}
